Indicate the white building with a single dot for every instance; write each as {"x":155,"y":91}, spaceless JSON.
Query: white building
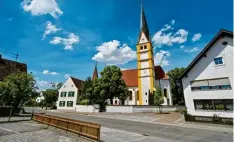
{"x":131,"y":80}
{"x":68,"y":93}
{"x":40,"y":97}
{"x":208,"y":80}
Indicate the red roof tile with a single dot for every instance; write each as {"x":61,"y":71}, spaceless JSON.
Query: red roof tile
{"x":130,"y":76}
{"x":78,"y":83}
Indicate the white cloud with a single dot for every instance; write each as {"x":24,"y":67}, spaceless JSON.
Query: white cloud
{"x":160,"y":58}
{"x":50,"y":73}
{"x":165,"y":36}
{"x":41,"y":7}
{"x":113,"y":53}
{"x":67,"y":75}
{"x":43,"y":85}
{"x":182,"y":46}
{"x":50,"y":28}
{"x":68,"y":42}
{"x":196,"y":37}
{"x":194,"y":49}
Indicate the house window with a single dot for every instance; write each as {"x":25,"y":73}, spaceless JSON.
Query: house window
{"x":145,"y":47}
{"x":218,"y":61}
{"x":63,"y":94}
{"x":211,"y":84}
{"x":137,"y":95}
{"x":69,"y":103}
{"x":215,"y":105}
{"x":165,"y":93}
{"x":71,"y":94}
{"x":62,"y":103}
{"x":141,"y":47}
{"x":130,"y":95}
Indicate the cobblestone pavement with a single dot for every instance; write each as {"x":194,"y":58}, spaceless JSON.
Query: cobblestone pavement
{"x":33,"y":132}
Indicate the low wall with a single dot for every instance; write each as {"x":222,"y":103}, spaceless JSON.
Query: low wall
{"x":124,"y":109}
{"x":132,"y":109}
{"x":87,"y":108}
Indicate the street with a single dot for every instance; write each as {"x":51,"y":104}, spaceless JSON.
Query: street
{"x":164,"y":132}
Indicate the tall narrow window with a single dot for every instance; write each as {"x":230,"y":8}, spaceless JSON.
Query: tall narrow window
{"x":137,"y":95}
{"x":145,"y":47}
{"x":141,"y":47}
{"x":130,"y":95}
{"x":165,"y":93}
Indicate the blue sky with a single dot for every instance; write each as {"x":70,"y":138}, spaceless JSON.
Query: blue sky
{"x":78,"y":32}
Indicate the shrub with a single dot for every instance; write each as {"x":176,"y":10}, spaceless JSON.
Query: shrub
{"x":84,"y":102}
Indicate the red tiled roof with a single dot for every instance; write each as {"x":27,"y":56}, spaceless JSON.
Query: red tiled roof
{"x":79,"y":83}
{"x":130,"y":76}
{"x":95,"y":73}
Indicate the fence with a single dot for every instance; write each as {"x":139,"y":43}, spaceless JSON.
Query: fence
{"x":86,"y":129}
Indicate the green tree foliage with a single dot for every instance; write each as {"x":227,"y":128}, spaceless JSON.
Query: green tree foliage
{"x":112,"y":85}
{"x":16,"y":89}
{"x":108,"y":86}
{"x":158,"y":97}
{"x":50,"y":97}
{"x":176,"y":85}
{"x":84,"y":94}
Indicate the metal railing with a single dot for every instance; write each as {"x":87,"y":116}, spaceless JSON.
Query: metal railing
{"x":86,"y":129}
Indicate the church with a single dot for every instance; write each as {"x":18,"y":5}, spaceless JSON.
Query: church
{"x":143,"y":80}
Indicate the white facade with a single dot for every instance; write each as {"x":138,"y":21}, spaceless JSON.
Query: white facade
{"x":67,"y":87}
{"x":166,"y":89}
{"x":134,"y":100}
{"x":205,"y":69}
{"x":40,"y":98}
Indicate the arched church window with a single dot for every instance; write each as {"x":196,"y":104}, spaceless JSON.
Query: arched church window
{"x":130,"y":95}
{"x":116,"y":102}
{"x":145,"y":47}
{"x":141,"y":47}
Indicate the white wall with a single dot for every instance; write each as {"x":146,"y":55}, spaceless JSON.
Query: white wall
{"x":145,"y":83}
{"x":66,"y":87}
{"x":121,"y":109}
{"x":205,"y":69}
{"x":87,"y":108}
{"x":144,"y":56}
{"x":165,"y":84}
{"x":135,"y":109}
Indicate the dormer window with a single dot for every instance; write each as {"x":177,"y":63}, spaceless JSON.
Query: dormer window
{"x":218,"y":60}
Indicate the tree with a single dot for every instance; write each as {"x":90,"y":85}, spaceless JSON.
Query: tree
{"x":176,"y":85}
{"x":158,"y":97}
{"x":111,"y":84}
{"x":16,"y":89}
{"x":50,"y":97}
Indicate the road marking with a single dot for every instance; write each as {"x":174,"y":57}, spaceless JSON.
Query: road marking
{"x":137,"y":139}
{"x":112,"y":137}
{"x":9,"y":130}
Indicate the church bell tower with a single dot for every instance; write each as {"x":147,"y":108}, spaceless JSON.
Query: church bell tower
{"x":145,"y":62}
